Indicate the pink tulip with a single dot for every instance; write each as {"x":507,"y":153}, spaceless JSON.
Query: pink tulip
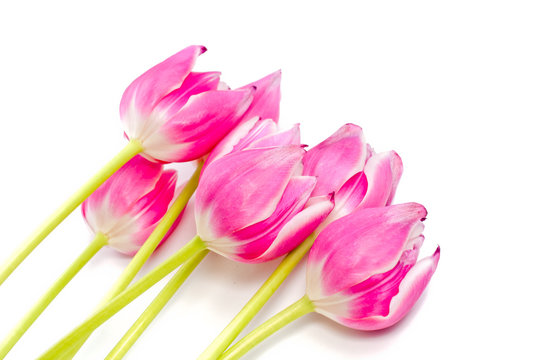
{"x":180,"y":115}
{"x":129,"y":205}
{"x":345,"y":164}
{"x":253,"y":205}
{"x":363,"y":271}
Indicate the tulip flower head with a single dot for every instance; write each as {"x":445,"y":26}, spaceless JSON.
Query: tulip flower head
{"x":180,"y":115}
{"x":129,"y":205}
{"x":363,"y":271}
{"x":253,"y":205}
{"x":345,"y":164}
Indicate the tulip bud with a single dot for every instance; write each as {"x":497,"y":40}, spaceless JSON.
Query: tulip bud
{"x":129,"y":205}
{"x":177,"y":114}
{"x":252,"y":205}
{"x":362,"y":270}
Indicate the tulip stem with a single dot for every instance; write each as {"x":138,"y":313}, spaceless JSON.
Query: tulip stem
{"x":18,"y":331}
{"x":133,"y":148}
{"x":254,"y":305}
{"x":301,"y":307}
{"x":159,"y":302}
{"x":65,"y":345}
{"x":147,"y":249}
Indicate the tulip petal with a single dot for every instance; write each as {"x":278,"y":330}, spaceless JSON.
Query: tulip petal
{"x":193,"y":84}
{"x":348,"y":198}
{"x":145,"y":91}
{"x":117,"y":195}
{"x":266,"y":101}
{"x":201,"y":123}
{"x":376,"y":239}
{"x":336,"y":159}
{"x":383,"y":172}
{"x":255,"y":239}
{"x":299,"y":227}
{"x":243,"y":188}
{"x":133,"y":229}
{"x":283,"y":138}
{"x":409,"y":291}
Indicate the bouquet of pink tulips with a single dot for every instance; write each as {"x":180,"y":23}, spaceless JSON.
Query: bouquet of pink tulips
{"x":259,"y":195}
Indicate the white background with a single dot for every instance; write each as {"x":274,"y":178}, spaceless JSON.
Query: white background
{"x":455,"y":87}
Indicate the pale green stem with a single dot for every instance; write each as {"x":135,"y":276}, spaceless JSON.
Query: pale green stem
{"x":133,"y":148}
{"x":301,"y":307}
{"x":139,"y":326}
{"x":147,"y":249}
{"x":254,"y":305}
{"x":18,"y":331}
{"x":195,"y":246}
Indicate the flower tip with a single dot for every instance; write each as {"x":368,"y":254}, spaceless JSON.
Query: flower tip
{"x":202,"y":49}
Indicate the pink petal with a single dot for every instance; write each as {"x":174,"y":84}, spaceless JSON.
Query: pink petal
{"x":145,"y":91}
{"x":409,"y":291}
{"x":283,"y":138}
{"x":117,"y":195}
{"x":193,"y":84}
{"x":349,"y":196}
{"x":243,"y":188}
{"x":266,"y":101}
{"x":383,"y":172}
{"x":299,"y":227}
{"x":357,"y":246}
{"x":202,"y":122}
{"x":255,"y":239}
{"x":336,"y":159}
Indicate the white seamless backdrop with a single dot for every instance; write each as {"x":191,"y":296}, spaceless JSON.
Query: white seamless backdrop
{"x":453,"y":87}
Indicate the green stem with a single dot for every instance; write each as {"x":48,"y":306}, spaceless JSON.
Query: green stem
{"x":195,"y":246}
{"x":154,"y":308}
{"x":18,"y":331}
{"x":147,"y":249}
{"x":254,"y":305}
{"x":133,"y":148}
{"x":301,"y":307}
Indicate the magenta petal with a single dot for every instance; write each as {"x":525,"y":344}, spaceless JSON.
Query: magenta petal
{"x":255,"y":239}
{"x":199,"y":125}
{"x":137,"y":177}
{"x":336,"y":159}
{"x":243,"y":188}
{"x":409,"y":291}
{"x":299,"y":227}
{"x":145,"y":91}
{"x":383,"y":172}
{"x":370,"y":241}
{"x":288,"y":137}
{"x":193,"y":84}
{"x":266,"y":99}
{"x":349,"y":196}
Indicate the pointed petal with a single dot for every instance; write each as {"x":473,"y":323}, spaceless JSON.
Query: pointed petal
{"x":266,"y":99}
{"x":255,"y":239}
{"x":243,"y":188}
{"x":145,"y":91}
{"x":288,"y":137}
{"x":114,"y":198}
{"x":410,"y":289}
{"x":201,"y":123}
{"x":193,"y":84}
{"x":299,"y":227}
{"x":336,"y":159}
{"x":371,"y":241}
{"x":348,"y":198}
{"x":383,"y":172}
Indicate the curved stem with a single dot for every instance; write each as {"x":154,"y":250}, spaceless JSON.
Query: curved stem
{"x":18,"y":331}
{"x":139,"y":326}
{"x":195,"y":246}
{"x":302,"y":307}
{"x":133,"y":148}
{"x":147,"y":249}
{"x":254,"y":305}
